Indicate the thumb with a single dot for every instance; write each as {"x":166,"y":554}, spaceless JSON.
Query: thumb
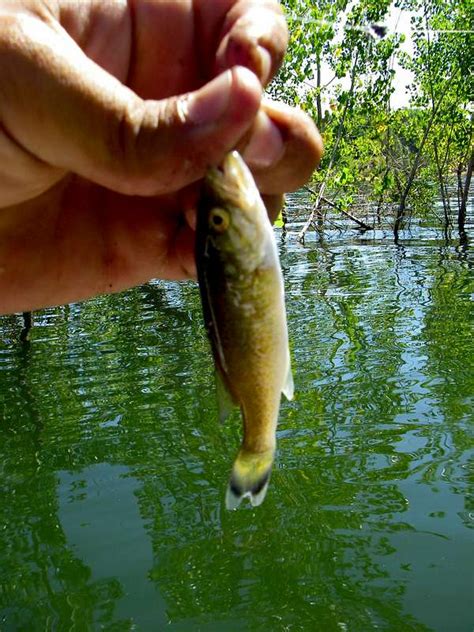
{"x":63,"y":108}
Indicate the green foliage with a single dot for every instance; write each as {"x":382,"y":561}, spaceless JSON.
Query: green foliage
{"x":341,"y":69}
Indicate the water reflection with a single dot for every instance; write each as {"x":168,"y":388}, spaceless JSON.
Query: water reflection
{"x":113,"y":467}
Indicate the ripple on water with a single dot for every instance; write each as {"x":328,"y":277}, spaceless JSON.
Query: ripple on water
{"x":110,"y":450}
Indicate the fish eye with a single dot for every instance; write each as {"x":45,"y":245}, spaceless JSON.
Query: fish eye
{"x":219,"y":219}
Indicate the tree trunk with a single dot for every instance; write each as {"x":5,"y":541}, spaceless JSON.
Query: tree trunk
{"x":411,"y":178}
{"x":378,"y":211}
{"x":465,"y":194}
{"x":27,"y":325}
{"x":340,"y":131}
{"x":318,"y":94}
{"x":443,"y":192}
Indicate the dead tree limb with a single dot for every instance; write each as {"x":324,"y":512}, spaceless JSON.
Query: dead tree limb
{"x":358,"y":221}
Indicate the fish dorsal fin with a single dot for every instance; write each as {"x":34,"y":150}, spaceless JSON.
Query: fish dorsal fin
{"x":225,"y":401}
{"x":288,"y":389}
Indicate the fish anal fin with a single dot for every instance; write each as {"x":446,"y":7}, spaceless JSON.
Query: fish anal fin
{"x":225,"y":401}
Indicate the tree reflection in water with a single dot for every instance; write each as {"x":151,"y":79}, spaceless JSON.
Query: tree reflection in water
{"x":113,"y":467}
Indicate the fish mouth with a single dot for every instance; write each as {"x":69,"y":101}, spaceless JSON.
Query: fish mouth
{"x":231,"y":183}
{"x":231,"y":172}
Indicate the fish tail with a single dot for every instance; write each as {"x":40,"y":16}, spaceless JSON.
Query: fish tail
{"x":249,"y":477}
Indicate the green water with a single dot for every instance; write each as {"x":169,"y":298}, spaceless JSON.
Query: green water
{"x":113,"y":467}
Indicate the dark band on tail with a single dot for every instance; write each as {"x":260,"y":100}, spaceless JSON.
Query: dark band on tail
{"x":250,"y":477}
{"x":240,"y":490}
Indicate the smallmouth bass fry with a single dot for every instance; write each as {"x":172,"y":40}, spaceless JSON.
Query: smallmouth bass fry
{"x":243,"y":304}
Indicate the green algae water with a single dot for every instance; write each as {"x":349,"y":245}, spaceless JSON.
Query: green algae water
{"x":113,"y":466}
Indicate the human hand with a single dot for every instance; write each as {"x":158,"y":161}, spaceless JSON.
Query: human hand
{"x":99,"y":158}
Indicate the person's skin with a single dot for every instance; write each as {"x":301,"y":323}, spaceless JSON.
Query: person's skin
{"x":100,"y":161}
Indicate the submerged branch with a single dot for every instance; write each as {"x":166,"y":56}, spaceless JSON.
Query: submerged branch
{"x":358,"y":221}
{"x":362,"y":225}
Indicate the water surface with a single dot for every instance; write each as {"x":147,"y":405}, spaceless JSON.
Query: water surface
{"x":113,"y":467}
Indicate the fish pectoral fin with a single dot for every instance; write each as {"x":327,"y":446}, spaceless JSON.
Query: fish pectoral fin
{"x":225,"y":401}
{"x":288,"y":389}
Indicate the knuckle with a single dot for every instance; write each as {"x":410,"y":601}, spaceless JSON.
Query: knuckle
{"x":142,"y":145}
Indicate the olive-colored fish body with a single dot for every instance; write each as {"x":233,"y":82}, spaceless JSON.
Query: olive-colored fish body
{"x":244,"y":310}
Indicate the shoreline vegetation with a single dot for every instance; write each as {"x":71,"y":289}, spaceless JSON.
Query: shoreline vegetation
{"x":397,"y":161}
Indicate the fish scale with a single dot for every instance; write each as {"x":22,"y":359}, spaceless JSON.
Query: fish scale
{"x":244,"y":312}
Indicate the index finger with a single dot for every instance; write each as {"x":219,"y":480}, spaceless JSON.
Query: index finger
{"x":253,"y":34}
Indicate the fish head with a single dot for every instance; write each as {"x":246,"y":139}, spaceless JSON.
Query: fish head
{"x":234,"y":216}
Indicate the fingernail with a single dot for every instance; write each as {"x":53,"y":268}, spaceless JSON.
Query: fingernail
{"x":266,"y":146}
{"x":265,"y":64}
{"x":210,"y":103}
{"x":190,"y":215}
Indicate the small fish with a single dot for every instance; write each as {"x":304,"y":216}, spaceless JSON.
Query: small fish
{"x":244,"y":312}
